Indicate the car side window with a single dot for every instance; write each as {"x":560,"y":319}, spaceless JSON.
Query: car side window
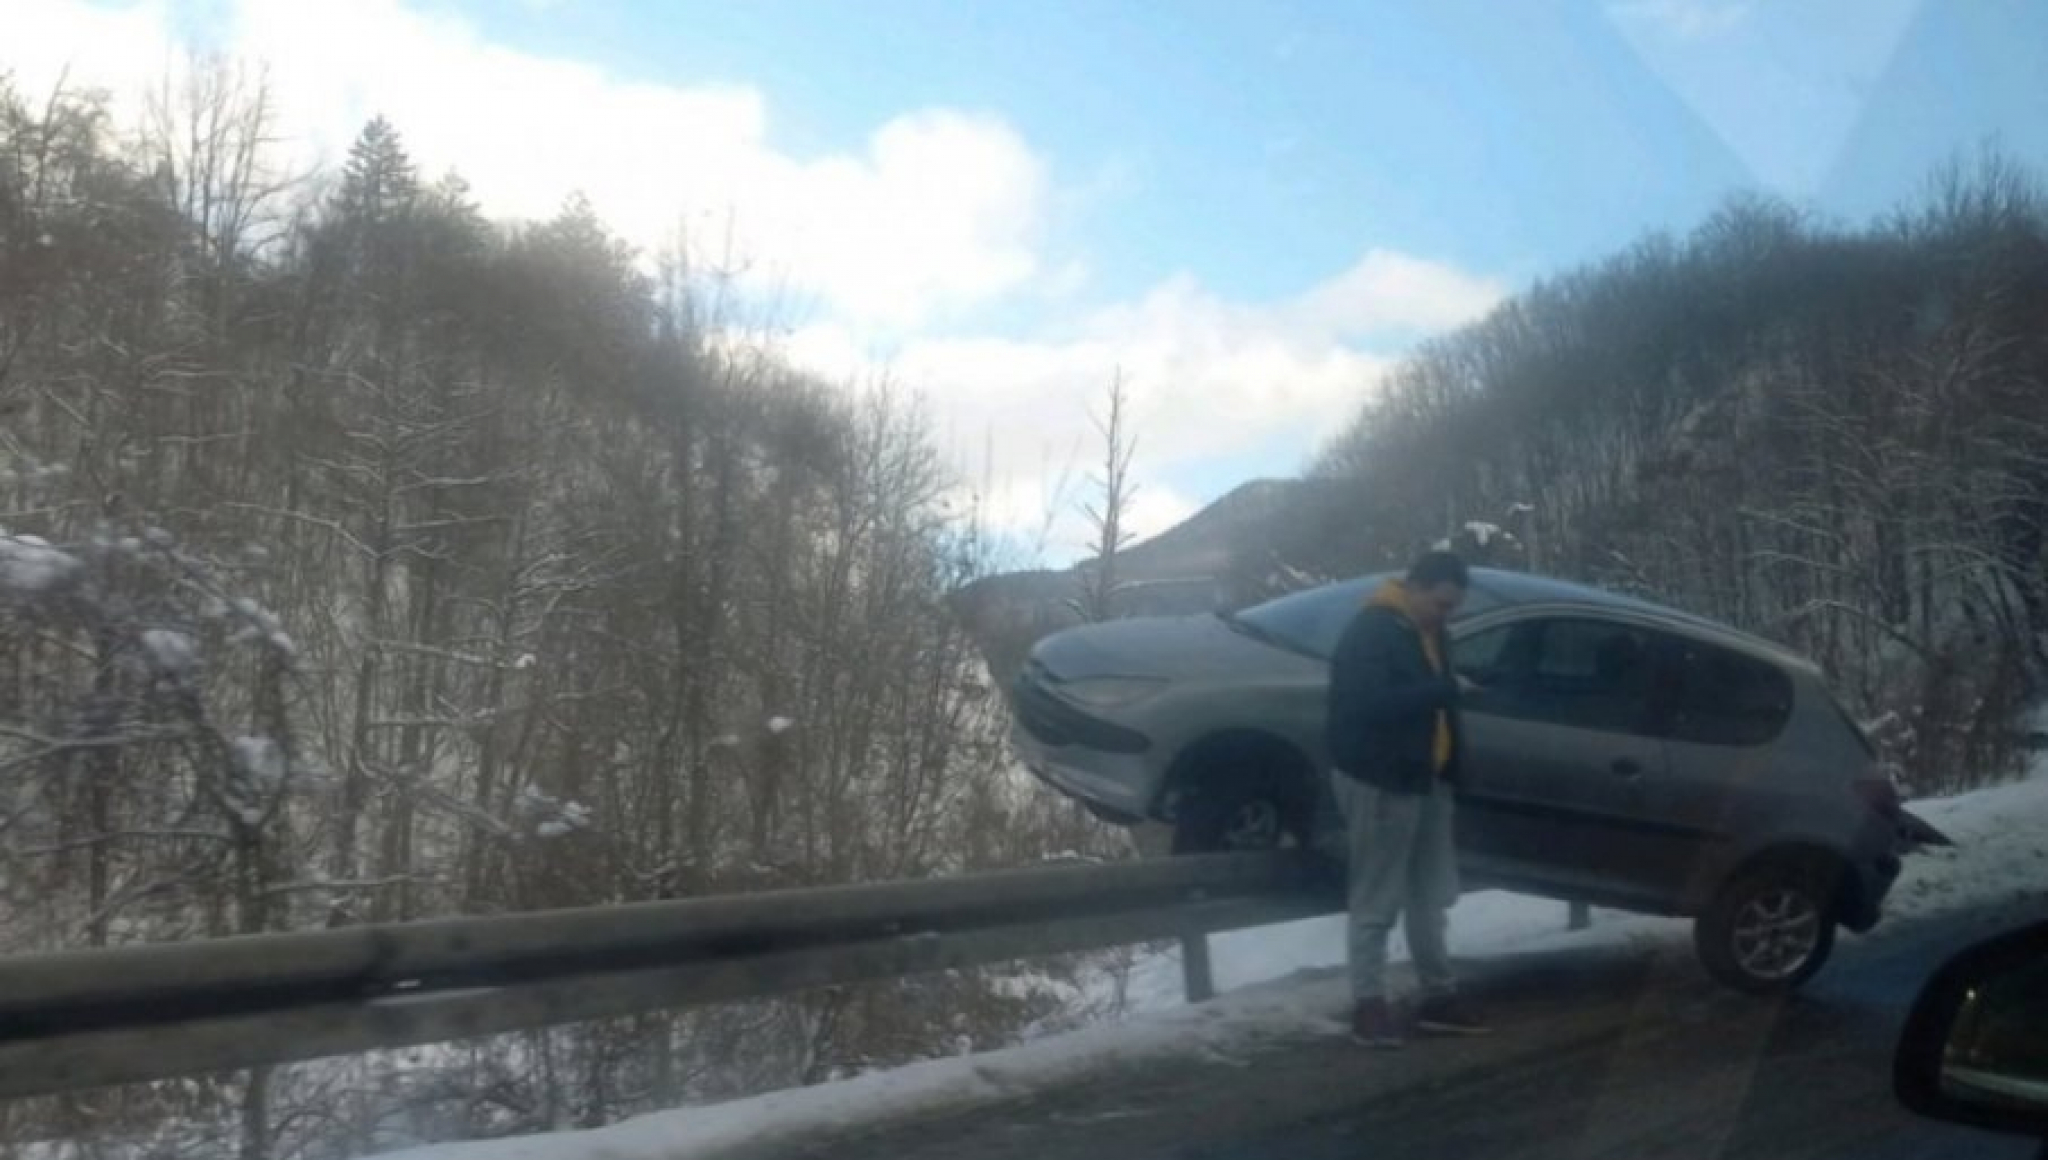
{"x":1580,"y":672}
{"x":1482,"y":657}
{"x":1721,"y":697}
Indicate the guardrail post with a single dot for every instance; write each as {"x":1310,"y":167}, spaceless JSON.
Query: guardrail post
{"x":1196,"y":975}
{"x":1581,"y":917}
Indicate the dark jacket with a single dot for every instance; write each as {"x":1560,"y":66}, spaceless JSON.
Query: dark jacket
{"x":1384,"y":698}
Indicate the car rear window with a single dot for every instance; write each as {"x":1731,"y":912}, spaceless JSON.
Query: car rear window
{"x":1728,"y":698}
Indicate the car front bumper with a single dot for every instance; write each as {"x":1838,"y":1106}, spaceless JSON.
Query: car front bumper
{"x":1116,"y":782}
{"x":1102,"y":763}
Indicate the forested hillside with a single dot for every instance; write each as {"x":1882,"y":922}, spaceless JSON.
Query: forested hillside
{"x":366,"y":560}
{"x":1834,"y":436}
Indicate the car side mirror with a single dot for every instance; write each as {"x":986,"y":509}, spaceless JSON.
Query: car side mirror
{"x":1975,"y":1047}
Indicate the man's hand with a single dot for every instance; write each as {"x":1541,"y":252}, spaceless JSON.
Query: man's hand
{"x":1468,"y":686}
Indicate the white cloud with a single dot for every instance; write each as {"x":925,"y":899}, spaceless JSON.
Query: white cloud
{"x":1387,"y":290}
{"x":1206,"y":374}
{"x":1155,"y":509}
{"x":85,"y":45}
{"x":940,"y":210}
{"x":1036,"y":515}
{"x":1684,"y":19}
{"x":1208,"y":377}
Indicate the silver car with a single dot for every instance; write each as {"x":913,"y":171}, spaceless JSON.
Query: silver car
{"x":1617,"y":752}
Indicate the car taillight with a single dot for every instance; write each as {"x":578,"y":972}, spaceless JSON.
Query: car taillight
{"x":1878,"y":792}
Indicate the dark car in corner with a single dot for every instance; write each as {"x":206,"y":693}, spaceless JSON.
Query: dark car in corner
{"x":1618,"y":752}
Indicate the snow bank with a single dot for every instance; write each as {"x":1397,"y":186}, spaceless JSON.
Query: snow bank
{"x":28,"y":564}
{"x":171,"y":653}
{"x":260,"y":759}
{"x":2001,"y":836}
{"x":1280,"y":996}
{"x":551,"y":816}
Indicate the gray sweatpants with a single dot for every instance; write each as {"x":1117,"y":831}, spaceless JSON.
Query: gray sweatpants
{"x":1402,"y":863}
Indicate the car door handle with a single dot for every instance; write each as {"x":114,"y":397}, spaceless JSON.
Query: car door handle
{"x":1627,"y":767}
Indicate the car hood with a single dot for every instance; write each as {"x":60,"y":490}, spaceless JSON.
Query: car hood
{"x":1175,"y":647}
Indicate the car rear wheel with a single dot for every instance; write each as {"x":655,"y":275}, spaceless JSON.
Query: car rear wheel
{"x":1770,"y":928}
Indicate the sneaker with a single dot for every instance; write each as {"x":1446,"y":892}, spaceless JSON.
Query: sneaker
{"x":1449,"y":1015}
{"x":1374,"y":1024}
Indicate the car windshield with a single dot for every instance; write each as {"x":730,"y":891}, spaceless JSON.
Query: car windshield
{"x":1311,"y":622}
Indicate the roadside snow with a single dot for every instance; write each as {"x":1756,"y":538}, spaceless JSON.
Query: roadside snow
{"x":1484,"y":922}
{"x":2001,"y":836}
{"x":2002,"y":847}
{"x":1221,"y":1029}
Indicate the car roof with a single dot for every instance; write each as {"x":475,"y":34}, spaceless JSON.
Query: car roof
{"x":1516,"y":589}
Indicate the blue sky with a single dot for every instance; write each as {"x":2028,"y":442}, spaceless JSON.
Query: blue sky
{"x":1249,"y":142}
{"x":1251,"y":206}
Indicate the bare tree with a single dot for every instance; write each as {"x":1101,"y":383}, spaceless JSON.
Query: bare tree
{"x":1107,"y":513}
{"x":209,"y":139}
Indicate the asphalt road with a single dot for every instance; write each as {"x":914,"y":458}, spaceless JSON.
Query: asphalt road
{"x":1629,"y":1053}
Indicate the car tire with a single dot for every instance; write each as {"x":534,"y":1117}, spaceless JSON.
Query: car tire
{"x":1225,"y":814}
{"x":1771,"y":927}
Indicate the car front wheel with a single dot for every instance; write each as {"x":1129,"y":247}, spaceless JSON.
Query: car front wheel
{"x":1770,"y":928}
{"x":1231,"y":815}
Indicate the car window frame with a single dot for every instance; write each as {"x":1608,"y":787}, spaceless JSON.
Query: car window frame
{"x":1658,"y":723}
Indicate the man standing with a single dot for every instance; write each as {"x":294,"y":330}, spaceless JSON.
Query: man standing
{"x":1393,"y":731}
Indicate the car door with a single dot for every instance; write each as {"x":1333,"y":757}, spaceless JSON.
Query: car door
{"x":1718,"y":710}
{"x":1559,"y":756}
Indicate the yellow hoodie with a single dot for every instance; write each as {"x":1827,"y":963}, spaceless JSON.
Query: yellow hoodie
{"x":1394,"y":595}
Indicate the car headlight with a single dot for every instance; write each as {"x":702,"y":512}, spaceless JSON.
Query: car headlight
{"x":1111,"y":692}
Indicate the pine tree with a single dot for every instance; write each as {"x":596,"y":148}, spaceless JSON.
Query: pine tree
{"x":378,"y":184}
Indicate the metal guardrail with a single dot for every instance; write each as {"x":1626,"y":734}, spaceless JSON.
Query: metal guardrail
{"x":79,"y":1019}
